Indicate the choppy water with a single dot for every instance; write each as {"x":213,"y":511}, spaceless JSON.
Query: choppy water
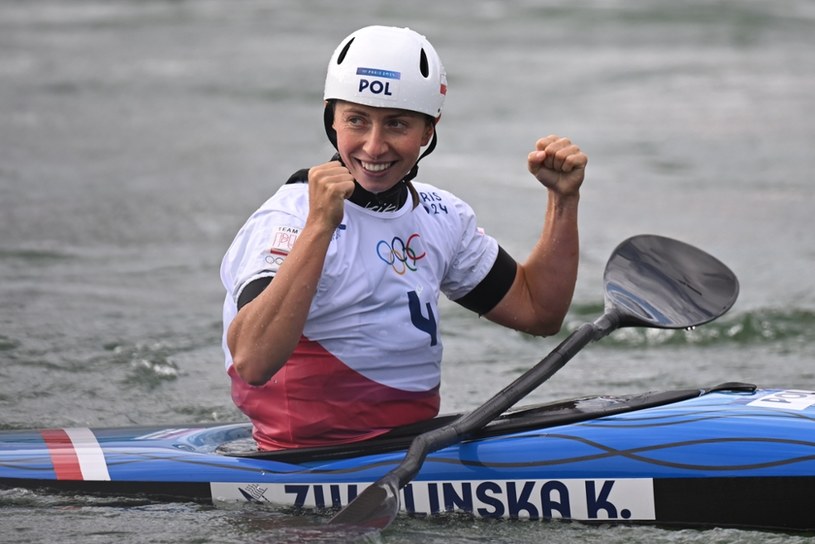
{"x":135,"y":137}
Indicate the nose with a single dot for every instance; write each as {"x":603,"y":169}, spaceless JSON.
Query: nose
{"x":375,"y":143}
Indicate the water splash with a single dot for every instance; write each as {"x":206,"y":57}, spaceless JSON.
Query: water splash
{"x":794,"y":326}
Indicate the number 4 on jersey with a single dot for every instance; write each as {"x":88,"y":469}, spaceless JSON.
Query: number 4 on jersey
{"x":426,"y":324}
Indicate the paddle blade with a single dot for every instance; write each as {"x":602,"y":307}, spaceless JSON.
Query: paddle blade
{"x":376,"y":507}
{"x":661,"y":282}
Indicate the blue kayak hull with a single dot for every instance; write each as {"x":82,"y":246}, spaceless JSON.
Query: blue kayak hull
{"x":735,"y":456}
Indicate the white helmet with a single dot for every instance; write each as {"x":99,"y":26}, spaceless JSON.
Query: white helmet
{"x":387,"y":67}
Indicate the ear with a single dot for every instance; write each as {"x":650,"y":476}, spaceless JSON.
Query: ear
{"x":329,"y":106}
{"x":430,"y":128}
{"x":328,"y":122}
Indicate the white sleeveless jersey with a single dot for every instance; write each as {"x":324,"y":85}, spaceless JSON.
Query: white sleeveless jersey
{"x":375,"y":309}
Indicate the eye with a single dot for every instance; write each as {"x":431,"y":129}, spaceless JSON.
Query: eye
{"x":398,"y":123}
{"x":354,"y":120}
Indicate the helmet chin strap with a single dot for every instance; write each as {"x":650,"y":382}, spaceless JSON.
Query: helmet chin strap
{"x":415,"y":170}
{"x":328,"y":122}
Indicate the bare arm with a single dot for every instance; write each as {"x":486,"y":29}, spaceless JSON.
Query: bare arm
{"x":542,"y":291}
{"x":265,"y":332}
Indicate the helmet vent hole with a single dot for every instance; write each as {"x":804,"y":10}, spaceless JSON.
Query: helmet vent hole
{"x":423,"y":68}
{"x":344,"y":51}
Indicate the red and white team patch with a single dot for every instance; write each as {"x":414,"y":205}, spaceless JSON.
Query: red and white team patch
{"x":283,"y":239}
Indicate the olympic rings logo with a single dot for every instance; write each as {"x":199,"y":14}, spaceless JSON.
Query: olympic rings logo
{"x":399,"y":254}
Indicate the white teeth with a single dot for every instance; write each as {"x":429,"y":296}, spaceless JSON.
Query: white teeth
{"x":375,"y":166}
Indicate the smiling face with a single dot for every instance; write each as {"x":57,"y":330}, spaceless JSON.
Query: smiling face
{"x":379,"y":146}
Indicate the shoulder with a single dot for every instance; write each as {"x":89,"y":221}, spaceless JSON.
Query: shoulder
{"x":288,"y":198}
{"x":439,"y":202}
{"x":275,"y":225}
{"x":428,"y":192}
{"x":288,"y":208}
